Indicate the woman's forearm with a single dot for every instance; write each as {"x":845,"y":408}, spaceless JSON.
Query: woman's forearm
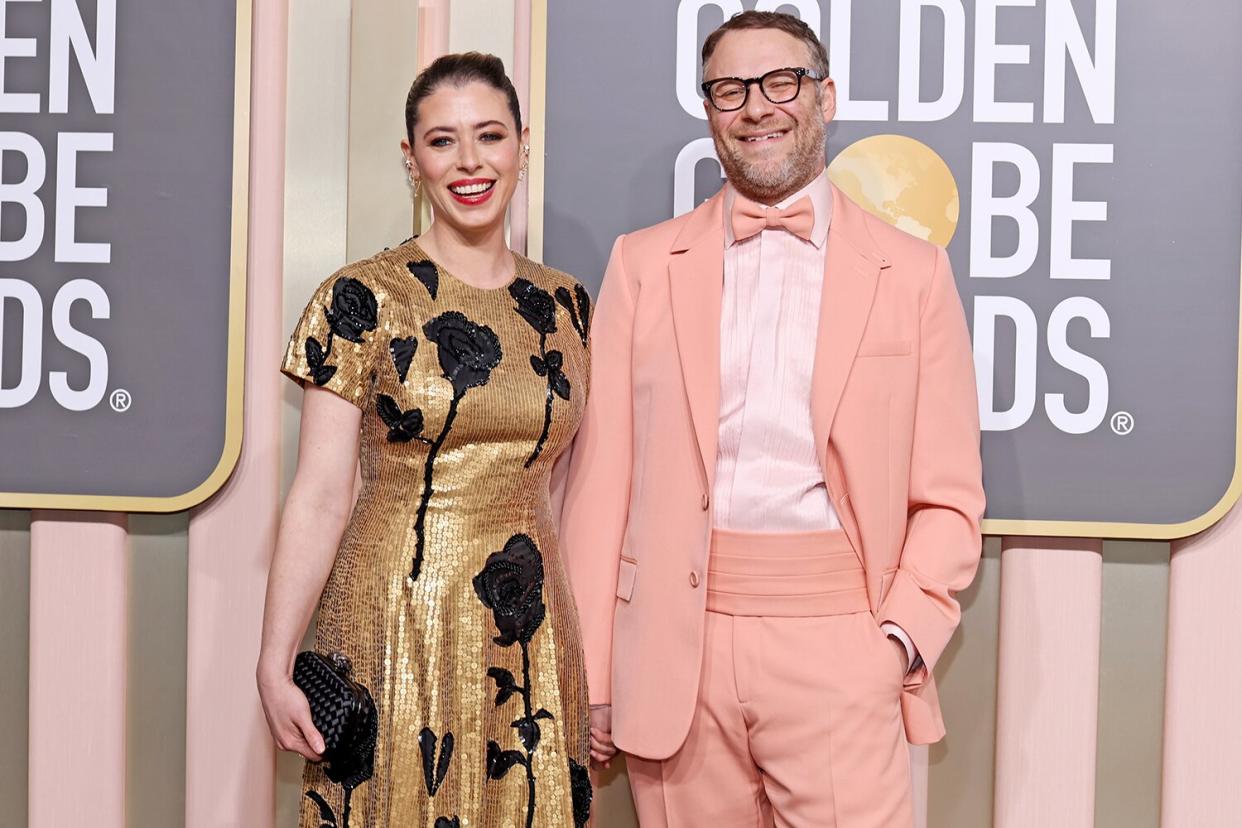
{"x":306,"y":545}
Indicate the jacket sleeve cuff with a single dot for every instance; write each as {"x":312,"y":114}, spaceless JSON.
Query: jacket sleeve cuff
{"x":923,"y":611}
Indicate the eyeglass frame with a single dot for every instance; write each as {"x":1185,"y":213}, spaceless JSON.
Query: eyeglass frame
{"x":800,"y":71}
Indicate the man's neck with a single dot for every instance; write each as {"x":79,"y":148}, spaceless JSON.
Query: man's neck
{"x":769,"y":199}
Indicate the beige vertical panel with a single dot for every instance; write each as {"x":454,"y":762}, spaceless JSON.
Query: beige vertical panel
{"x":961,"y":770}
{"x":1048,"y":683}
{"x":230,"y":764}
{"x":1132,"y":657}
{"x":14,"y":659}
{"x":482,"y":26}
{"x":612,"y":807}
{"x":316,"y":176}
{"x":79,"y":568}
{"x":155,"y":778}
{"x":315,"y":227}
{"x":380,"y":201}
{"x":1202,"y":728}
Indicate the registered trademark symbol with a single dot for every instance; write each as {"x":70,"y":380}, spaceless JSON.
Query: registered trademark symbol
{"x":1122,"y":423}
{"x":120,"y":400}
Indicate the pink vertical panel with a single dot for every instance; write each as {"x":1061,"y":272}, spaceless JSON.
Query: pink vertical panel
{"x":918,"y":778}
{"x":1047,"y":689}
{"x":230,"y":765}
{"x":79,"y":590}
{"x":519,"y":212}
{"x":1202,"y":730}
{"x":433,"y":30}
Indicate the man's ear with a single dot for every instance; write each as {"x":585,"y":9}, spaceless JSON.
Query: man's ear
{"x":828,"y":99}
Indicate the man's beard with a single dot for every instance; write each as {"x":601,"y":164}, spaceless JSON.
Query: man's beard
{"x":770,"y":183}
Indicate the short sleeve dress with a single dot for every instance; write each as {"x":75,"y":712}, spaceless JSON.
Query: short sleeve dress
{"x":447,"y":593}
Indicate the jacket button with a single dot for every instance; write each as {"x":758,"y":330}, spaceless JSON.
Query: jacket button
{"x":694,"y":578}
{"x":706,"y":501}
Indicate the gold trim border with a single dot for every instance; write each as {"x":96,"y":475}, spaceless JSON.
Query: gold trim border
{"x":991,"y":526}
{"x":236,"y":380}
{"x":538,"y":127}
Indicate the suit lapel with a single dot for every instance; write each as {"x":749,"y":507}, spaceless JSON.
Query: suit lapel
{"x":851,"y":273}
{"x":696,"y":277}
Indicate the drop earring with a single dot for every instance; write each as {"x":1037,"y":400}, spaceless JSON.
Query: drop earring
{"x":525,"y":168}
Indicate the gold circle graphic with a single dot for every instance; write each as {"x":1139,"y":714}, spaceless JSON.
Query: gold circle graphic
{"x":902,"y":181}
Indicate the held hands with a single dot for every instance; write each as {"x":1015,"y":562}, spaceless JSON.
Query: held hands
{"x":602,"y":748}
{"x":289,"y":718}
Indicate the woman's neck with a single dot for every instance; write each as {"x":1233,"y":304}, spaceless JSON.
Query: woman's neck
{"x":482,"y":260}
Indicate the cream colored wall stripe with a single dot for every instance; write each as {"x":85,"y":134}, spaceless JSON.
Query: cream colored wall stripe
{"x":79,"y":587}
{"x":14,"y":660}
{"x":1202,"y":727}
{"x":317,"y":220}
{"x":380,"y":207}
{"x":229,"y":754}
{"x":961,"y":780}
{"x":1133,"y":624}
{"x":1048,"y":683}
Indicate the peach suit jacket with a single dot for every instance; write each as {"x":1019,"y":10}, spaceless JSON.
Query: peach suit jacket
{"x":894,"y":414}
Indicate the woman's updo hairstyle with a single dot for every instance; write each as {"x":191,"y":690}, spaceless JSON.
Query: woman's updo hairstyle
{"x":460,"y":69}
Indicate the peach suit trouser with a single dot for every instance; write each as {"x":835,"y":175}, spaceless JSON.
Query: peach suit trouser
{"x":798,"y":723}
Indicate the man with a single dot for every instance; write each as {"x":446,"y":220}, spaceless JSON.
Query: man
{"x":776,"y":490}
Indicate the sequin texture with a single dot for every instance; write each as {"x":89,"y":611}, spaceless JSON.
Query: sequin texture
{"x":446,"y":376}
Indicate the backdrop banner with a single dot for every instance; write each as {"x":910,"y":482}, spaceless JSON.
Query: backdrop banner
{"x":1079,"y":159}
{"x":122,"y":250}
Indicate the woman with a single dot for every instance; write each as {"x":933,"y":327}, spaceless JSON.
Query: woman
{"x":464,"y":367}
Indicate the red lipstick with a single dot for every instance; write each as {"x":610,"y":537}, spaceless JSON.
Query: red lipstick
{"x":476,"y":194}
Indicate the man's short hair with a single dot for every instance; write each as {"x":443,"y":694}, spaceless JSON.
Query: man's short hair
{"x":781,"y":21}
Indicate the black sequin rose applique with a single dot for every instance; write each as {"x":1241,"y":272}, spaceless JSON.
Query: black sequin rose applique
{"x":535,"y":305}
{"x":581,"y":793}
{"x":511,"y":586}
{"x":352,"y":313}
{"x":580,"y":316}
{"x":468,"y":354}
{"x":425,"y":272}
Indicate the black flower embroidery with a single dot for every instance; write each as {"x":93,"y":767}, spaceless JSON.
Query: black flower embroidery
{"x":446,"y":822}
{"x":434,"y":770}
{"x":403,"y":426}
{"x":579,"y":316}
{"x":535,"y":305}
{"x":511,"y":586}
{"x":402,"y":350}
{"x":315,"y":356}
{"x":581,"y":793}
{"x":425,"y":272}
{"x":353,"y":312}
{"x":468,"y":353}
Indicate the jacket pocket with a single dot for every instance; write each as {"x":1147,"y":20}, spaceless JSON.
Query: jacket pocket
{"x":626,"y":574}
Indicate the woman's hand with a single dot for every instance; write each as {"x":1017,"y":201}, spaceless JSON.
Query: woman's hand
{"x":602,"y":748}
{"x":289,"y":718}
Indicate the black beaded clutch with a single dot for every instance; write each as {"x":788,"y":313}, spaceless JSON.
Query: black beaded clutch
{"x":344,"y":714}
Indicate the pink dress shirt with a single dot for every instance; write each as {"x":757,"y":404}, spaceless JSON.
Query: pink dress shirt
{"x":768,"y":477}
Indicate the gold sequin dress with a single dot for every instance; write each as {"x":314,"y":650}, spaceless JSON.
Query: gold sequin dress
{"x":447,"y":593}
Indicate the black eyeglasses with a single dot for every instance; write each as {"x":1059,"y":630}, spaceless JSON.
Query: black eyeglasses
{"x":778,"y":86}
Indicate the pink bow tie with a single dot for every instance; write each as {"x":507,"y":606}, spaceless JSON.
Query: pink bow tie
{"x":750,"y":218}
